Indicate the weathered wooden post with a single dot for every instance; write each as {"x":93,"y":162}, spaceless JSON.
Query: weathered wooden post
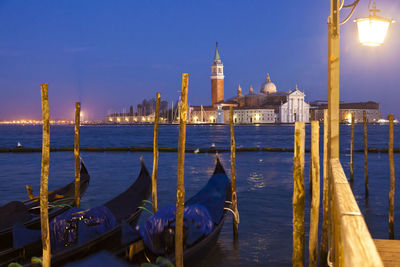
{"x":392,"y":179}
{"x":312,"y":118}
{"x":44,"y":176}
{"x":315,"y":178}
{"x":352,"y":149}
{"x":76,"y":154}
{"x":155,"y":154}
{"x":298,"y":195}
{"x":365,"y":154}
{"x":233,"y":174}
{"x":180,"y":191}
{"x":325,"y":198}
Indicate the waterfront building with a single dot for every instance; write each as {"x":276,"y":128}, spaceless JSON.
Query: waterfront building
{"x":371,"y":108}
{"x":127,"y":118}
{"x":200,"y":114}
{"x":267,"y":106}
{"x":248,"y":115}
{"x":288,"y":107}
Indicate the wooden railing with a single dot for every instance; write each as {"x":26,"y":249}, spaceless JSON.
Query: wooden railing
{"x":352,"y":244}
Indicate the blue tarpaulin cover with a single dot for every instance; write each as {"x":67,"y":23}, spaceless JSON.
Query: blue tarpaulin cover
{"x":75,"y":226}
{"x":158,"y":232}
{"x":201,"y":213}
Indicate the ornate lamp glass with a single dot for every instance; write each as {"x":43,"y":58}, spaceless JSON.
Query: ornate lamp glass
{"x":372,"y":30}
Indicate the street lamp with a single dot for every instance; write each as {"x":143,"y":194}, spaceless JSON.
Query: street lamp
{"x":372,"y":30}
{"x":379,"y":30}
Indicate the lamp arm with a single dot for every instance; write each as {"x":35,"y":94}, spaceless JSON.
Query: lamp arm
{"x":341,"y":5}
{"x":351,"y":5}
{"x":354,"y":5}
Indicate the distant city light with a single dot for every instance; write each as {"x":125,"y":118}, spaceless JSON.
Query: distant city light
{"x":35,"y":122}
{"x":348,"y":117}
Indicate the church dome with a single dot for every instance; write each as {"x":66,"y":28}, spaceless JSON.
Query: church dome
{"x":268,"y":87}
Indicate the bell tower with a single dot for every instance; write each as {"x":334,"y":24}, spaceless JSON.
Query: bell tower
{"x":217,"y":79}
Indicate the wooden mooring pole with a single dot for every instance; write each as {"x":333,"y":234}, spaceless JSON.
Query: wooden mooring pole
{"x":155,"y":154}
{"x":298,"y":195}
{"x":233,"y":175}
{"x":365,"y":154}
{"x":76,"y":154}
{"x":312,"y":118}
{"x":352,"y":149}
{"x":180,"y":191}
{"x":325,"y":198}
{"x":392,"y":178}
{"x":315,"y":178}
{"x":44,"y":177}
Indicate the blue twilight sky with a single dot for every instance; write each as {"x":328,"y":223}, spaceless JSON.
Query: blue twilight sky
{"x":112,"y":54}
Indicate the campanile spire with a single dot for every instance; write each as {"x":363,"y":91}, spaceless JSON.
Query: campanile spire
{"x":217,"y":78}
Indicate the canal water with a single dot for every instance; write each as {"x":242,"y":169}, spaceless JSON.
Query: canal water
{"x":264,"y":179}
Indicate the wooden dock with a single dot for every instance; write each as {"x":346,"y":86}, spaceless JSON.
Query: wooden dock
{"x":389,"y":251}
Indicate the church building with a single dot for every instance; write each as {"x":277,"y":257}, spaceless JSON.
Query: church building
{"x":267,"y":106}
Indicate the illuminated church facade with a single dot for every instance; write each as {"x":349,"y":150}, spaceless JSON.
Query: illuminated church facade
{"x":267,"y":106}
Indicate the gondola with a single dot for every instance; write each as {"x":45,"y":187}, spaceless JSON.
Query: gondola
{"x":27,"y":212}
{"x":137,"y":251}
{"x":124,"y":209}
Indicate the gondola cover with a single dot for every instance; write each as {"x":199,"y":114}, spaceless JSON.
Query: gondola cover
{"x":76,"y":226}
{"x":202,"y":212}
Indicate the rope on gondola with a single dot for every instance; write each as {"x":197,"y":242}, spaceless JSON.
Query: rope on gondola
{"x":143,"y":208}
{"x":14,"y":264}
{"x":234,"y":214}
{"x":36,"y":260}
{"x":53,"y":206}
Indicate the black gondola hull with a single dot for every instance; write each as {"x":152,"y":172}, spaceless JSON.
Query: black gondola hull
{"x":138,"y":191}
{"x":6,"y":236}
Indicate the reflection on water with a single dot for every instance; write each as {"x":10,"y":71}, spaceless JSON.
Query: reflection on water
{"x":256,"y":181}
{"x":264,"y":180}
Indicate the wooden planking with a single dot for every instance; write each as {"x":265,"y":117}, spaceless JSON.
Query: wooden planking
{"x":355,"y":246}
{"x":389,"y":251}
